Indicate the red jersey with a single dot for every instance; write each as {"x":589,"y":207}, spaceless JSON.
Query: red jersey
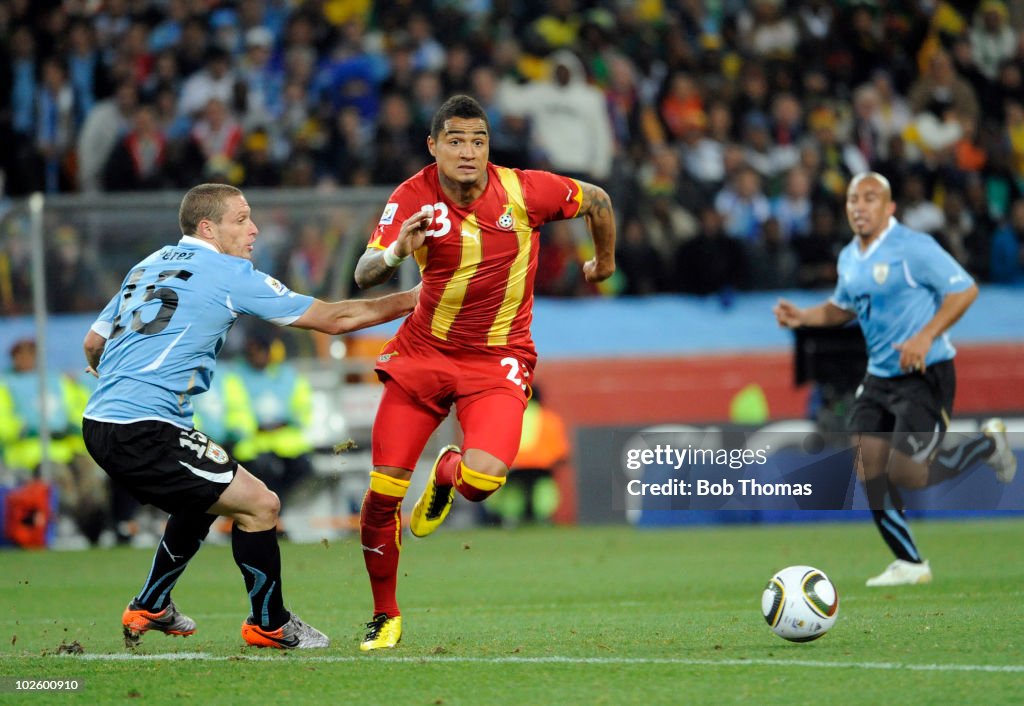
{"x":478,"y":262}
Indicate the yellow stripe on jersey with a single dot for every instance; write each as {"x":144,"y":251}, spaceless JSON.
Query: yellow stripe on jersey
{"x":455,"y":291}
{"x":578,"y":198}
{"x":515,"y":289}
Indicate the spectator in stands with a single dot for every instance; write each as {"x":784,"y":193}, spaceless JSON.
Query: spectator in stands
{"x":401,"y":70}
{"x":215,"y":81}
{"x":139,"y":162}
{"x":264,"y":81}
{"x":397,"y":144}
{"x":940,"y":83}
{"x":773,"y":264}
{"x":858,"y":43}
{"x":815,"y":20}
{"x":760,"y":151}
{"x":133,"y":60}
{"x":226,"y":34}
{"x":258,"y":167}
{"x":165,"y":75}
{"x":455,"y":76}
{"x":194,"y":47}
{"x":792,"y":208}
{"x":346,"y":149}
{"x":766,"y":32}
{"x":642,"y":267}
{"x":21,"y":82}
{"x":917,"y":211}
{"x":88,"y":72}
{"x":428,"y":55}
{"x":753,"y":92}
{"x":570,"y":127}
{"x":112,"y":22}
{"x":628,"y":112}
{"x":426,"y":99}
{"x":167,"y":33}
{"x":743,"y":205}
{"x":866,"y":136}
{"x":816,"y":253}
{"x":215,"y":142}
{"x":840,"y":159}
{"x":559,"y":27}
{"x":667,"y":220}
{"x":703,"y":151}
{"x":992,"y":39}
{"x":1008,"y":86}
{"x":107,"y":123}
{"x":682,"y":100}
{"x":891,"y":114}
{"x":55,"y":125}
{"x":712,"y":261}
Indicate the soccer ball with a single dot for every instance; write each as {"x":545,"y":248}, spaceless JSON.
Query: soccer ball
{"x":800,"y":604}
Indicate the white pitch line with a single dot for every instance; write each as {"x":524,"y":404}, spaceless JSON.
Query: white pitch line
{"x":682,"y":661}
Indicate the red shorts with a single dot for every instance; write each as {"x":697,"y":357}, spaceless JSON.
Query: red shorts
{"x":423,"y":379}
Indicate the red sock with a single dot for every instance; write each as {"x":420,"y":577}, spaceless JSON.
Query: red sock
{"x":447,"y":468}
{"x":380,"y":533}
{"x":476,"y":486}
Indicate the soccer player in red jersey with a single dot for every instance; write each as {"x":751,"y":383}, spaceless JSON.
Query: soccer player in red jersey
{"x":472,"y":227}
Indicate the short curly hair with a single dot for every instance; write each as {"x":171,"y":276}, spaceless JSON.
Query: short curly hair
{"x":460,"y":106}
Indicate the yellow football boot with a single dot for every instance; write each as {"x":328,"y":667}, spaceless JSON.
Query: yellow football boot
{"x":383,"y":633}
{"x":435,"y":502}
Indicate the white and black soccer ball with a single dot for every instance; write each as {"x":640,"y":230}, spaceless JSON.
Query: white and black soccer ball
{"x":800,"y":604}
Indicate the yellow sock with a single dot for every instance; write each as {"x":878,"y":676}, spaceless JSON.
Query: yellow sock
{"x":475,"y":485}
{"x":386,"y":485}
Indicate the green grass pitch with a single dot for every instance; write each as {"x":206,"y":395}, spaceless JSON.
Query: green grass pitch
{"x":610,"y":615}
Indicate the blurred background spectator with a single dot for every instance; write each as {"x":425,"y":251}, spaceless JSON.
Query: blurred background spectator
{"x":80,"y":483}
{"x":268,"y":411}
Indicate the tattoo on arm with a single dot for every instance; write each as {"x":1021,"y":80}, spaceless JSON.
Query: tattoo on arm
{"x":597,"y":210}
{"x":596,"y":203}
{"x":371,"y":270}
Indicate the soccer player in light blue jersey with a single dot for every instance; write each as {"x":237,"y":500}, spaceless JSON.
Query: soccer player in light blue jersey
{"x":153,"y":347}
{"x":905,"y":292}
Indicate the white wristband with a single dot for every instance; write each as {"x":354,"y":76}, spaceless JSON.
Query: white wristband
{"x":390,"y":258}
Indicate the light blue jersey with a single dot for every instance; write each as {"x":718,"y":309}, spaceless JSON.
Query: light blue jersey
{"x":167,"y":324}
{"x":895,"y":287}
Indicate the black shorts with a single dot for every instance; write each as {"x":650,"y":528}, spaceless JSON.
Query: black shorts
{"x":914,"y":409}
{"x":177,"y":470}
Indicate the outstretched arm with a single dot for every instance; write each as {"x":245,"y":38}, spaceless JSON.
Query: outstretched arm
{"x":596,"y":209}
{"x":790,"y":315}
{"x":354,"y":314}
{"x":377,"y":266}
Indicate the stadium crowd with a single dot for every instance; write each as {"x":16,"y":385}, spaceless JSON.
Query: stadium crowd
{"x":726,"y":131}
